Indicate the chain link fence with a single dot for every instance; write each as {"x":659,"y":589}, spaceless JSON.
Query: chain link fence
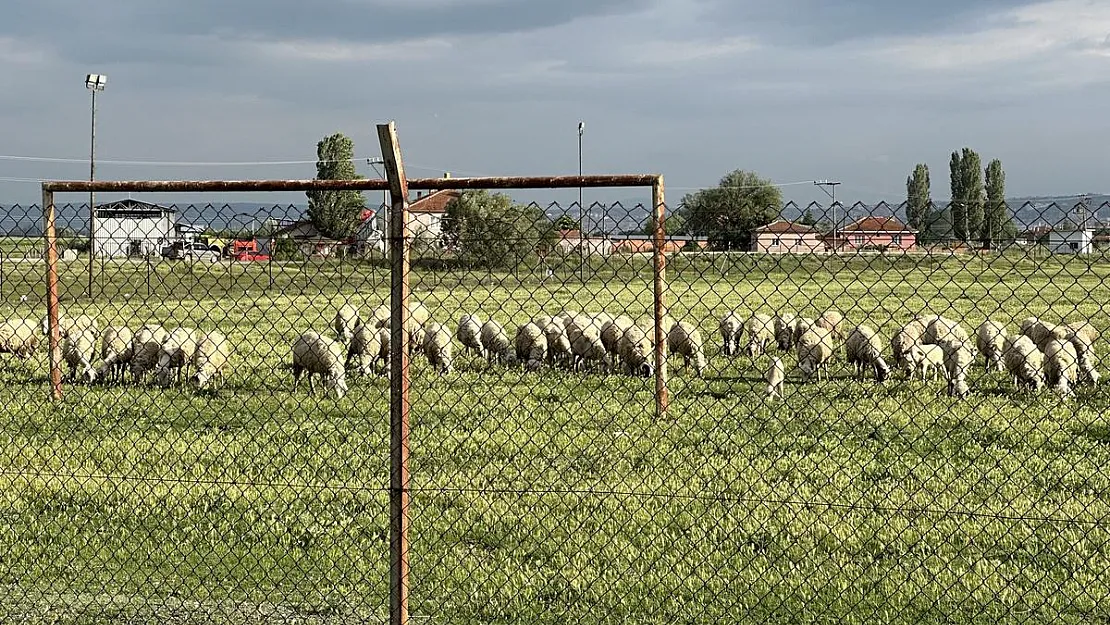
{"x":853,"y":430}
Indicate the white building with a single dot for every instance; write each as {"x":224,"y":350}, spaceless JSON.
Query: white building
{"x":132,"y":228}
{"x":1070,"y":240}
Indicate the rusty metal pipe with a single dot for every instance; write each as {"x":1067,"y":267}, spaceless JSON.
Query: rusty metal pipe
{"x":662,"y":401}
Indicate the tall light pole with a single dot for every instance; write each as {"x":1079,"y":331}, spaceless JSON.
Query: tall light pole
{"x":94,"y":83}
{"x":581,"y":209}
{"x":824,"y":184}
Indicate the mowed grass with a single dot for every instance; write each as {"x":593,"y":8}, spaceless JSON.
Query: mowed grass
{"x":555,"y":497}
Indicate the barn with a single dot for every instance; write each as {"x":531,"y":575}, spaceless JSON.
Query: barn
{"x":132,"y":228}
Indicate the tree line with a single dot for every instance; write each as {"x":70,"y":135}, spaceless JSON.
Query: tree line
{"x":976,"y":212}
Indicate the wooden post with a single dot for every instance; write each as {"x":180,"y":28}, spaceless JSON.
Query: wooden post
{"x":659,"y":242}
{"x":53,"y":331}
{"x":398,"y":378}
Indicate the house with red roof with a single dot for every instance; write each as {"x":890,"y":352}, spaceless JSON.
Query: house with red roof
{"x":786,"y":237}
{"x":427,"y":210}
{"x":873,"y":233}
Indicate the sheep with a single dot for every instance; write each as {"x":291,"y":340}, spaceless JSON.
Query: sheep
{"x":731,"y":329}
{"x":801,"y":324}
{"x":346,"y":322}
{"x":832,"y":320}
{"x":1085,"y":352}
{"x":531,"y":345}
{"x":685,"y":340}
{"x":761,"y":332}
{"x":365,"y":349}
{"x":1083,"y":328}
{"x":1061,"y":366}
{"x":78,"y":352}
{"x":864,"y":349}
{"x":927,"y":357}
{"x":210,"y":359}
{"x":940,"y":331}
{"x":543,"y":320}
{"x":611,"y":334}
{"x":379,"y":317}
{"x":1041,"y":332}
{"x":175,"y":355}
{"x":636,"y":351}
{"x":418,"y":315}
{"x":784,"y":331}
{"x":1023,"y":361}
{"x":68,"y":325}
{"x":815,"y":349}
{"x":989,"y":340}
{"x":775,"y":378}
{"x":314,"y":353}
{"x":438,"y":347}
{"x":469,"y":334}
{"x":906,"y":337}
{"x":585,"y":343}
{"x":18,"y":337}
{"x":958,"y":360}
{"x":145,"y":348}
{"x":558,"y":344}
{"x":496,"y":342}
{"x":115,"y":352}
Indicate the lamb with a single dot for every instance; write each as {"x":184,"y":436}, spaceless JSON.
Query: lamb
{"x":210,"y":359}
{"x":636,"y":351}
{"x":815,"y":349}
{"x":438,"y":347}
{"x":78,"y":352}
{"x":469,"y":334}
{"x":864,"y":349}
{"x":775,"y":378}
{"x":925,"y":358}
{"x":784,"y":330}
{"x":145,"y":348}
{"x":685,"y":340}
{"x":346,"y":322}
{"x":115,"y":352}
{"x":496,"y":342}
{"x":990,"y":339}
{"x":1023,"y":361}
{"x":68,"y":325}
{"x":732,"y":329}
{"x":558,"y":344}
{"x":314,"y":353}
{"x":18,"y":337}
{"x":906,"y":337}
{"x":365,"y":349}
{"x":958,"y":360}
{"x":175,"y":355}
{"x":761,"y":332}
{"x":531,"y":345}
{"x":1061,"y":366}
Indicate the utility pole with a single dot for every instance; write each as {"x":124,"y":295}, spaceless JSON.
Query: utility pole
{"x":581,"y":209}
{"x":94,"y":83}
{"x":825,"y":185}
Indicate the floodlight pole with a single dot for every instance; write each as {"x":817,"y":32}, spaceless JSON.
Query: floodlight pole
{"x":581,"y":209}
{"x":833,"y":184}
{"x":94,"y":83}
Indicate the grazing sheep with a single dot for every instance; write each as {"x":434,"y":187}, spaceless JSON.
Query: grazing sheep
{"x":801,"y":324}
{"x":685,"y":340}
{"x":906,"y":337}
{"x":925,"y":358}
{"x":1023,"y":361}
{"x":1061,"y":366}
{"x":210,"y":359}
{"x":636,"y":352}
{"x":68,"y":325}
{"x":314,"y":353}
{"x":1041,"y":332}
{"x":438,"y":347}
{"x":832,"y":320}
{"x":18,"y":337}
{"x":346,"y":322}
{"x":78,"y":352}
{"x":531,"y":345}
{"x":611,"y":335}
{"x":784,"y":330}
{"x":175,"y":355}
{"x":775,"y":378}
{"x":145,"y":348}
{"x":384,"y":338}
{"x":496,"y":342}
{"x":990,"y":339}
{"x":469,"y":334}
{"x":941,"y":331}
{"x":1084,"y":328}
{"x":958,"y":360}
{"x":379,"y":317}
{"x":418,"y":315}
{"x":1085,"y":351}
{"x":585,"y":343}
{"x":115,"y":352}
{"x":365,"y":349}
{"x":815,"y":349}
{"x":864,"y":349}
{"x":558,"y":344}
{"x":761,"y":333}
{"x":543,"y":320}
{"x":732,"y":329}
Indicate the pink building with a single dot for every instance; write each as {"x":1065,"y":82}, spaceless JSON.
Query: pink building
{"x":786,"y":237}
{"x":874,"y":233}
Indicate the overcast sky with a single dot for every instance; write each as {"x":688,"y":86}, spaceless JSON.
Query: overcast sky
{"x":854,"y":90}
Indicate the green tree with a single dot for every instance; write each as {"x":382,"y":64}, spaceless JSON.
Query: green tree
{"x":808,"y":218}
{"x":998,"y":222}
{"x":727,"y":213}
{"x":956,"y":185}
{"x":335,"y":213}
{"x":490,"y":230}
{"x":918,"y":197}
{"x":565,"y":222}
{"x":971,"y":168}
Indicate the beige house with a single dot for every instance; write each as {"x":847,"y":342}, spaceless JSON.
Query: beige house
{"x":426,"y":212}
{"x":786,"y":237}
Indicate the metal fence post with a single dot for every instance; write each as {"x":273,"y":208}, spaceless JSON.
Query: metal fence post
{"x":399,"y":377}
{"x":660,"y":308}
{"x":52,"y":294}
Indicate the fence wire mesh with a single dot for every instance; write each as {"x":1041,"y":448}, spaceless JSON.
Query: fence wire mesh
{"x":867,"y":422}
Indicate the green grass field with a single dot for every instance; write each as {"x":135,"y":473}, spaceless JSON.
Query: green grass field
{"x":554,"y":497}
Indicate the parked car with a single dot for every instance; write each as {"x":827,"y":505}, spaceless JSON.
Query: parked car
{"x":182,"y":250}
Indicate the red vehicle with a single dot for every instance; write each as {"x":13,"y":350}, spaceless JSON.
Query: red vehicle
{"x":248,"y":250}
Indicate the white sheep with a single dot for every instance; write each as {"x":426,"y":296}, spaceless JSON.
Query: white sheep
{"x":115,"y":352}
{"x":496,"y":342}
{"x":685,"y":340}
{"x":801,"y":324}
{"x":346,"y":322}
{"x":210,"y":359}
{"x":761,"y":333}
{"x":815,"y":350}
{"x":1023,"y":361}
{"x":530,"y":344}
{"x":18,"y":337}
{"x":611,"y":333}
{"x":941,"y":330}
{"x":636,"y":351}
{"x":835,"y":321}
{"x":316,"y":354}
{"x":1041,"y":332}
{"x":175,"y":355}
{"x":775,"y":378}
{"x":584,"y":335}
{"x":864,"y":349}
{"x":145,"y":349}
{"x":958,"y":360}
{"x":68,"y":324}
{"x":784,"y":331}
{"x":438,"y":346}
{"x":365,"y":349}
{"x":469,"y":334}
{"x":1061,"y":366}
{"x":904,"y":338}
{"x":925,"y":358}
{"x":558,"y":344}
{"x":1082,"y":336}
{"x":990,"y":340}
{"x":78,"y":352}
{"x":731,"y":329}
